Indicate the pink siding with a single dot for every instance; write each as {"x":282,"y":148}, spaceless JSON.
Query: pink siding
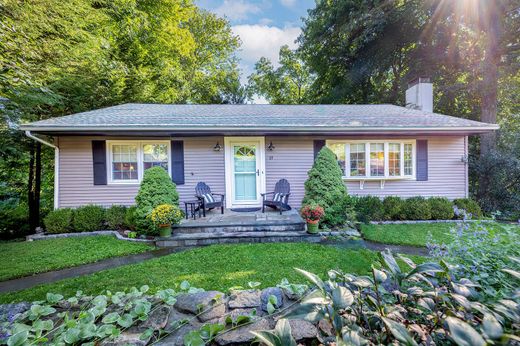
{"x":291,"y":159}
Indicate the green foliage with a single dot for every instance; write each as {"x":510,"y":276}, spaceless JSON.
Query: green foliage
{"x":130,"y":218}
{"x":325,"y":187}
{"x":88,"y":218}
{"x":393,"y":207}
{"x":413,"y":234}
{"x":469,"y":205}
{"x":417,"y":208}
{"x":441,"y":208}
{"x":369,"y":208}
{"x":13,"y":219}
{"x":428,"y":296}
{"x":156,"y":188}
{"x":59,"y":221}
{"x":115,"y":217}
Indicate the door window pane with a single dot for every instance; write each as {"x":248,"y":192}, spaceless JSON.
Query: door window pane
{"x":155,"y":155}
{"x":394,"y":159}
{"x":124,"y":162}
{"x":408,"y":163}
{"x":244,"y":162}
{"x":339,"y":150}
{"x":377,"y":159}
{"x":357,"y":160}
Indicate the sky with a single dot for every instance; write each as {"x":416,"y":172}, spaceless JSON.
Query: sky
{"x":262,"y":25}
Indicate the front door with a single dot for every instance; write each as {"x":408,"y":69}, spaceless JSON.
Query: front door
{"x":244,"y":171}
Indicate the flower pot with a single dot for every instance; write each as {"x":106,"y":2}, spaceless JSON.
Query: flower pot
{"x":165,"y":230}
{"x":312,"y":227}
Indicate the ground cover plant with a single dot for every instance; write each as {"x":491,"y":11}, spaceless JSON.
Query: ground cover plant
{"x":215,"y":267}
{"x":27,"y":258}
{"x":407,"y":234}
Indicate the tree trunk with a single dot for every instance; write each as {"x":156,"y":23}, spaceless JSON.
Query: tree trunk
{"x":34,"y":186}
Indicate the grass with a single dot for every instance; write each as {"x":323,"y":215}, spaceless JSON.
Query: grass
{"x":28,"y":258}
{"x":216,"y":267}
{"x":407,"y":234}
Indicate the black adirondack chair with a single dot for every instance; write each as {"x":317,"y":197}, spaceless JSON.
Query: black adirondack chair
{"x":279,"y":198}
{"x":209,"y":200}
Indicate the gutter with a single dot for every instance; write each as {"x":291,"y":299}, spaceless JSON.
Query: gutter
{"x":56,"y":165}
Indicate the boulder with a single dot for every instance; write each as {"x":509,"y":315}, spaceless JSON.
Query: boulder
{"x":243,"y":334}
{"x":301,"y":329}
{"x":158,"y":318}
{"x":211,"y":302}
{"x":244,"y":299}
{"x":8,"y":312}
{"x":127,"y":338}
{"x":176,"y":338}
{"x":264,"y":297}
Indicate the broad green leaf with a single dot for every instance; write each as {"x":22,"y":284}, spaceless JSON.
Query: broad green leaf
{"x":72,"y":335}
{"x":425,"y":268}
{"x":389,"y":261}
{"x":193,"y":338}
{"x":513,"y":273}
{"x":268,"y":338}
{"x":463,"y":334}
{"x":399,"y":331}
{"x":185,"y":285}
{"x":43,"y":325}
{"x":241,"y":319}
{"x":283,"y":330}
{"x":125,"y":320}
{"x":147,"y":334}
{"x":312,"y":278}
{"x":18,"y":339}
{"x":253,"y":284}
{"x":308,"y":312}
{"x":110,"y":318}
{"x":492,"y":327}
{"x":379,"y":275}
{"x":53,"y":298}
{"x":342,"y":297}
{"x":144,"y":288}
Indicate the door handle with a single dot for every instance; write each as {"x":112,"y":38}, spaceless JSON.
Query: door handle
{"x":258,"y":172}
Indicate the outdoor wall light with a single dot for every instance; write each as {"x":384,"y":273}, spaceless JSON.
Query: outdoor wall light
{"x":217,"y":147}
{"x":271,"y":147}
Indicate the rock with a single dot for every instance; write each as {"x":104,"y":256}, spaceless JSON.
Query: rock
{"x":244,"y":299}
{"x":326,"y":327}
{"x":301,"y":329}
{"x":264,"y":297}
{"x":204,"y":301}
{"x":158,"y":319}
{"x":243,"y":334}
{"x":9,"y":311}
{"x":127,"y":338}
{"x":176,"y":338}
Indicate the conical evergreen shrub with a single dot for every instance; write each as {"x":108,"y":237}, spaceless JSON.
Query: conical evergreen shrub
{"x":325,"y":187}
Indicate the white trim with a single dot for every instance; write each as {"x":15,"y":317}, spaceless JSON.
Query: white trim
{"x":386,"y":143}
{"x":140,"y":161}
{"x":228,"y":157}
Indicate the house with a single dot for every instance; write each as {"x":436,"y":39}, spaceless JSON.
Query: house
{"x":243,"y":150}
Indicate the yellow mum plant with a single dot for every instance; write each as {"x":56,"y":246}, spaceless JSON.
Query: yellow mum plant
{"x":166,"y":214}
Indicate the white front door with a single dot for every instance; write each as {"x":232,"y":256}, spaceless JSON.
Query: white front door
{"x":245,"y":176}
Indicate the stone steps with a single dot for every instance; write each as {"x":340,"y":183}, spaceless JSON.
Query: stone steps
{"x":236,"y":228}
{"x":201,"y":239}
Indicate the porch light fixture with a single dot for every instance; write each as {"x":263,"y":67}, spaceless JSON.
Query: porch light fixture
{"x":217,"y":147}
{"x":271,"y":147}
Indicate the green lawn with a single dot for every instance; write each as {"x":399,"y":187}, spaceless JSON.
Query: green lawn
{"x":27,"y":258}
{"x":215,"y":267}
{"x":407,"y":234}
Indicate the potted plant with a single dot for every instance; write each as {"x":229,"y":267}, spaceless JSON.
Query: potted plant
{"x":312,"y":215}
{"x":164,"y":216}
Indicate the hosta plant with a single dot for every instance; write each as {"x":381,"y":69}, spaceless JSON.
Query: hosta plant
{"x":423,"y":305}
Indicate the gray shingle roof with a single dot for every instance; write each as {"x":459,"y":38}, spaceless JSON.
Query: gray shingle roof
{"x":133,"y":117}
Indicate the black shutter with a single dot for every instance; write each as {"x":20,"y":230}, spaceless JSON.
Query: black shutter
{"x":177,"y":148}
{"x":318,"y":144}
{"x":422,"y":160}
{"x":99,"y":160}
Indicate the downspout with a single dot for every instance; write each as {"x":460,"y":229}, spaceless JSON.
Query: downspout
{"x":56,"y":166}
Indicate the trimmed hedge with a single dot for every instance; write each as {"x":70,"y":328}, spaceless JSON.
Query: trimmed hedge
{"x":115,"y":217}
{"x":441,"y":208}
{"x":470,"y":206}
{"x":88,"y":218}
{"x":393,"y":208}
{"x":59,"y":221}
{"x":369,"y":208}
{"x":417,"y":208}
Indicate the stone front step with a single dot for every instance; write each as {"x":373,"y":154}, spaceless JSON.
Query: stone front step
{"x":201,"y":239}
{"x":230,"y":228}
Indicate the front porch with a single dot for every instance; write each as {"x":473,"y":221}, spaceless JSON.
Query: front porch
{"x":239,"y":227}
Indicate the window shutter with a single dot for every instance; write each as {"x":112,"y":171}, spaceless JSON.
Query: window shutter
{"x":318,"y":144}
{"x":177,"y":152}
{"x":99,"y":161}
{"x":422,"y":160}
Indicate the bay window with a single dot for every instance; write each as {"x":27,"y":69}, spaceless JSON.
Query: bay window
{"x":375,"y":159}
{"x":128,"y":159}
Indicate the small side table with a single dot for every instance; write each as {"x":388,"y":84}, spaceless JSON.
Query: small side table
{"x":194,"y":206}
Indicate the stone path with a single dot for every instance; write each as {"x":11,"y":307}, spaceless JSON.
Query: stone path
{"x":48,"y":277}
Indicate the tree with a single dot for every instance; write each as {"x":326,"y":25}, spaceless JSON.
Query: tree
{"x":287,"y":84}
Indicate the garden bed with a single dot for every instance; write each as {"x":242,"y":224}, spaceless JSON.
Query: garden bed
{"x":118,"y":234}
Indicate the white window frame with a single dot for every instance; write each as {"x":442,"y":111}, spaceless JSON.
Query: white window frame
{"x":140,"y":159}
{"x":386,"y":142}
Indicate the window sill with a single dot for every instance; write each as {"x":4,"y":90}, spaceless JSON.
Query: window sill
{"x":377,"y":178}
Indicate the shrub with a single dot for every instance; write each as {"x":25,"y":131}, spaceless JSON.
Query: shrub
{"x":130,"y":218}
{"x":369,"y":208}
{"x":393,"y":207}
{"x":325,"y":187}
{"x":115,"y":217}
{"x":416,"y":208}
{"x":13,"y":219}
{"x":88,"y":218}
{"x":469,"y":205}
{"x":166,"y":214}
{"x":441,"y":208}
{"x":312,"y":213}
{"x":59,"y":221}
{"x":156,"y":188}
